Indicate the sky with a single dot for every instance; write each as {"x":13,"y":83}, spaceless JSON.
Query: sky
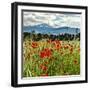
{"x":52,"y":19}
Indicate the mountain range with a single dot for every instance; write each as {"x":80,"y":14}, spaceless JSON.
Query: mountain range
{"x":46,"y":29}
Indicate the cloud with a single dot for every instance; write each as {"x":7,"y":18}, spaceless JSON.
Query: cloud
{"x":52,"y":19}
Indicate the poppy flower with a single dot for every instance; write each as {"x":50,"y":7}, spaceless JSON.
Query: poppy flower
{"x":66,"y":46}
{"x":42,"y":54}
{"x":43,"y":67}
{"x":34,"y":44}
{"x":45,"y":53}
{"x":57,"y":44}
{"x":71,"y":50}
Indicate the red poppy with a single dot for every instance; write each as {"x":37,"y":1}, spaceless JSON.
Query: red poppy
{"x":42,"y":54}
{"x":57,"y":44}
{"x":45,"y":53}
{"x":48,"y":52}
{"x":43,"y":67}
{"x":71,"y":50}
{"x":34,"y":44}
{"x":66,"y":46}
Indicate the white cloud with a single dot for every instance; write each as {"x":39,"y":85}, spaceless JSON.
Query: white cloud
{"x":52,"y":19}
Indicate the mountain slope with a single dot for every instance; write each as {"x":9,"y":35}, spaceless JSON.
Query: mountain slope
{"x":46,"y":29}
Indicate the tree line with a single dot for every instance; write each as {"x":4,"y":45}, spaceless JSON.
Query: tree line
{"x":39,"y":36}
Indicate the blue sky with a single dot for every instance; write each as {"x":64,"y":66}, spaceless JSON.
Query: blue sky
{"x":52,"y":19}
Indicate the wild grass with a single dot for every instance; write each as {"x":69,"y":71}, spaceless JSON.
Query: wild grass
{"x":50,"y":58}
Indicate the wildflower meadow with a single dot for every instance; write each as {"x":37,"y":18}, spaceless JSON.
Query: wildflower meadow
{"x":48,"y":57}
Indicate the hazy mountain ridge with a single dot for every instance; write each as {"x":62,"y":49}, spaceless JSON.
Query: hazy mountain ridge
{"x":46,"y":29}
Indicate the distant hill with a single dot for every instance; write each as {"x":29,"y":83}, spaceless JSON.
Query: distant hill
{"x":46,"y":29}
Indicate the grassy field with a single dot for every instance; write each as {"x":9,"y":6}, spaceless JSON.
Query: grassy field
{"x":50,"y":58}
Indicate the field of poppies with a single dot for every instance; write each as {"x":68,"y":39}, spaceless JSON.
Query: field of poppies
{"x":47,"y":57}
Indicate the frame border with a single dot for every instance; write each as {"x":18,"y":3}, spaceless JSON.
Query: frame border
{"x":14,"y":43}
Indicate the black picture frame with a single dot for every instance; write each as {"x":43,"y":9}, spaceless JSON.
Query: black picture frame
{"x":14,"y":43}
